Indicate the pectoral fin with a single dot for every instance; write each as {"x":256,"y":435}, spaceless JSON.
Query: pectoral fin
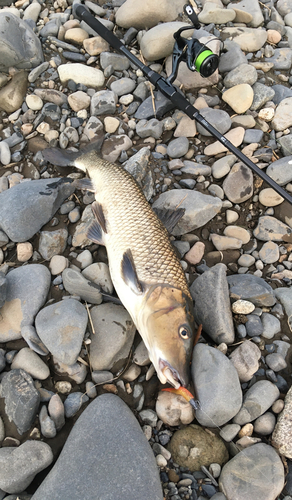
{"x":98,"y":227}
{"x":129,"y":273}
{"x":84,"y":184}
{"x":169,"y":217}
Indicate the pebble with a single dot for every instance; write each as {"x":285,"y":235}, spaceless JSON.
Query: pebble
{"x":216,"y":411}
{"x":251,"y":288}
{"x":242,"y":307}
{"x":265,"y":424}
{"x":257,"y":401}
{"x":238,"y":185}
{"x":76,"y":284}
{"x":282,"y":432}
{"x":173,"y":410}
{"x":61,"y":327}
{"x":276,"y":362}
{"x":79,"y":73}
{"x":57,"y":264}
{"x":24,"y":251}
{"x":239,"y":97}
{"x":271,"y":325}
{"x":28,"y":360}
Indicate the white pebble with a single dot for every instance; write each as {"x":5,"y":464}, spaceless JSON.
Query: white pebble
{"x":242,"y":307}
{"x":85,"y":259}
{"x":57,"y":264}
{"x":24,"y":251}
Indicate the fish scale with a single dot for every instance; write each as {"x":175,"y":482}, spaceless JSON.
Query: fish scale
{"x":131,"y":223}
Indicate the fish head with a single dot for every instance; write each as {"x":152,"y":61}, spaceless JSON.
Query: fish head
{"x":168,"y":332}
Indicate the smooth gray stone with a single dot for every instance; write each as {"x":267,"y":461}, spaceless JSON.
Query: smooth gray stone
{"x":282,"y":59}
{"x":117,"y":61}
{"x":256,"y":472}
{"x":281,"y":92}
{"x":286,"y":144}
{"x":138,"y":166}
{"x":232,"y":58}
{"x":26,"y":207}
{"x":219,"y":119}
{"x":51,"y":28}
{"x":123,"y":86}
{"x":271,"y":229}
{"x":151,"y":128}
{"x":73,"y":403}
{"x":238,"y":185}
{"x":115,"y":335}
{"x":212,"y":288}
{"x":48,"y":428}
{"x":76,"y":284}
{"x":284,"y":295}
{"x":257,"y":400}
{"x":106,"y":456}
{"x":61,"y":328}
{"x":271,"y":325}
{"x":244,"y":73}
{"x":199,"y":208}
{"x":252,"y":288}
{"x":217,"y":386}
{"x":262,"y":94}
{"x":193,"y":168}
{"x":254,"y":326}
{"x":19,"y":465}
{"x":32,"y":339}
{"x":280,"y":170}
{"x":245,"y":359}
{"x":27,"y":289}
{"x":253,"y":135}
{"x":19,"y":46}
{"x":21,"y":399}
{"x":276,"y":362}
{"x":162,"y":106}
{"x":178,"y":147}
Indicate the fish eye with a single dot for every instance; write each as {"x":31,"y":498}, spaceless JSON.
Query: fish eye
{"x":184,"y":332}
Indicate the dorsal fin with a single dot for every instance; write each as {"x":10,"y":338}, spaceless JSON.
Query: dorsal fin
{"x":129,"y":273}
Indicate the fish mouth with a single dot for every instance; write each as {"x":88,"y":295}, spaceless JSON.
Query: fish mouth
{"x":170,"y":374}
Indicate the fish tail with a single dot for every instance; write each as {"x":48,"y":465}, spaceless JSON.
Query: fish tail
{"x":67,"y":158}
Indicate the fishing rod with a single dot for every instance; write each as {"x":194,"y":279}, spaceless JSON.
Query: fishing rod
{"x":198,"y":57}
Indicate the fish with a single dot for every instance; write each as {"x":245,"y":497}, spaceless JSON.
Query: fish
{"x":145,"y":270}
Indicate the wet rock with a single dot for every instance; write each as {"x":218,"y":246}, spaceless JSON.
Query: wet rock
{"x":114,"y":146}
{"x":211,"y":287}
{"x":112,"y":322}
{"x":271,"y":229}
{"x":245,"y":359}
{"x":193,"y":447}
{"x":21,"y":399}
{"x":97,"y":437}
{"x":61,"y":328}
{"x":23,"y":299}
{"x":257,"y":472}
{"x":26,"y":207}
{"x":19,"y":45}
{"x":19,"y":465}
{"x":199,"y":208}
{"x":173,"y":410}
{"x":216,"y":385}
{"x":257,"y":401}
{"x":252,"y":288}
{"x":147,"y":14}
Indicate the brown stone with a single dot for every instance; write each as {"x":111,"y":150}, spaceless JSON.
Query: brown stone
{"x":12,"y":95}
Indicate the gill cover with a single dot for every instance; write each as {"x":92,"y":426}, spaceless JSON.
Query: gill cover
{"x":169,"y":321}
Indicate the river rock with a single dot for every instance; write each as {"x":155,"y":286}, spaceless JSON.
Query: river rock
{"x":23,"y":299}
{"x":245,"y":358}
{"x":199,"y":208}
{"x":28,"y":360}
{"x":80,"y":73}
{"x":269,"y":197}
{"x":269,"y":253}
{"x":283,"y":430}
{"x":282,"y":58}
{"x":239,"y":97}
{"x":212,"y":287}
{"x":257,"y":472}
{"x":212,"y":13}
{"x":21,"y":399}
{"x":97,"y":438}
{"x":161,"y":103}
{"x":280,"y":170}
{"x":61,"y":328}
{"x":19,"y":45}
{"x":284,"y":295}
{"x":173,"y":410}
{"x":138,"y":166}
{"x":235,"y":136}
{"x":243,"y":74}
{"x":238,"y":185}
{"x":219,"y":119}
{"x":147,"y":14}
{"x":257,"y":400}
{"x":217,"y":386}
{"x":26,"y":207}
{"x":158,"y":42}
{"x":19,"y":465}
{"x":100,"y":275}
{"x":252,"y":288}
{"x":262,"y":94}
{"x":193,"y":447}
{"x":248,"y":39}
{"x":271,"y":229}
{"x":282,"y":118}
{"x":52,"y":242}
{"x":12,"y":95}
{"x":76,"y":284}
{"x":113,"y":338}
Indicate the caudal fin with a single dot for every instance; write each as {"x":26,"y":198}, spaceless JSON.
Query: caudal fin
{"x":67,"y":158}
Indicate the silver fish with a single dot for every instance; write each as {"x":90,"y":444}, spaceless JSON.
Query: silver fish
{"x":144,"y":268}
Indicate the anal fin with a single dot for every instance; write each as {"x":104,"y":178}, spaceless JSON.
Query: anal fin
{"x":129,"y":273}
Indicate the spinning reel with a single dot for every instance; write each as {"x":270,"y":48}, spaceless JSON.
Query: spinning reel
{"x":195,"y":54}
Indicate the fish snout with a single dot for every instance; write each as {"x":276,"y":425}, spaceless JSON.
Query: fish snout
{"x":173,"y":376}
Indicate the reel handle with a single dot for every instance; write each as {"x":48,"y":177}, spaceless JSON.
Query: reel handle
{"x":189,"y":11}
